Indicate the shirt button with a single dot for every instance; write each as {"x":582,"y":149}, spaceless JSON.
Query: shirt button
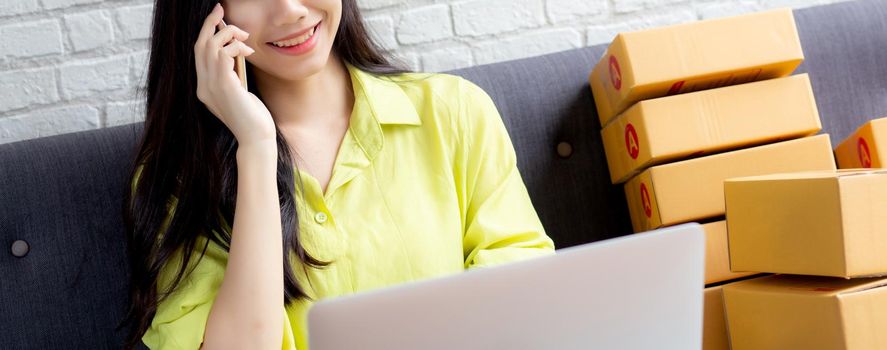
{"x":320,"y":217}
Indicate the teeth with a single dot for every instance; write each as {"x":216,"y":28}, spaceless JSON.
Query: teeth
{"x":295,"y":41}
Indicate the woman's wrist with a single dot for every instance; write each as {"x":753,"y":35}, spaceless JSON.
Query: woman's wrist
{"x":265,"y":149}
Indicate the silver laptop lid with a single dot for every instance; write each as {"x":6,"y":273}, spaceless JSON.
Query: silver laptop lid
{"x":641,"y":291}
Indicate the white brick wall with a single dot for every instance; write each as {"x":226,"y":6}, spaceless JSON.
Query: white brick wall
{"x":72,"y":65}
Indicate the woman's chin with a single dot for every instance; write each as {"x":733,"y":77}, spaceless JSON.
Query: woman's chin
{"x":303,"y":69}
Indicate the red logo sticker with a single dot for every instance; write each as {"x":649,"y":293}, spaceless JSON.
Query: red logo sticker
{"x":645,"y":199}
{"x":865,"y":157}
{"x":631,"y":141}
{"x":615,"y":73}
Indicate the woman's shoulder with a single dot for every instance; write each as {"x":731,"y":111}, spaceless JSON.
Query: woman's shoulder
{"x":454,"y":90}
{"x":421,"y":80}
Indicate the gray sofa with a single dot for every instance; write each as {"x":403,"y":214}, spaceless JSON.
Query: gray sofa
{"x":63,"y":272}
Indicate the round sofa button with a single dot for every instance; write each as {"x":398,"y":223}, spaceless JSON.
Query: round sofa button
{"x":564,"y":149}
{"x":20,"y":248}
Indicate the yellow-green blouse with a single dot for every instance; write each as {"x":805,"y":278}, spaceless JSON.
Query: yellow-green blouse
{"x":425,"y":184}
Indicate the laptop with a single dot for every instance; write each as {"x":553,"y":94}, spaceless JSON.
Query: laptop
{"x":641,"y":291}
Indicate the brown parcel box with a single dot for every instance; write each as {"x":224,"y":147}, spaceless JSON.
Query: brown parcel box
{"x":672,"y":128}
{"x":807,"y":312}
{"x":831,"y":223}
{"x":714,"y":325}
{"x":694,"y":56}
{"x":863,"y":148}
{"x":693,"y":189}
{"x":717,"y":260}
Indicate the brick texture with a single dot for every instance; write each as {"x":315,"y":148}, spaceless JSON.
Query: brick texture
{"x":71,"y":65}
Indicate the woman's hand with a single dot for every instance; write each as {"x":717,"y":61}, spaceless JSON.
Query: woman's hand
{"x":218,"y":86}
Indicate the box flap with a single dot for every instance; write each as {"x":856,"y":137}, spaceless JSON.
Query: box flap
{"x":807,"y":175}
{"x":808,"y":285}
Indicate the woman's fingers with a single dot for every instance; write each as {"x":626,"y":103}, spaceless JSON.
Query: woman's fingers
{"x":240,"y":32}
{"x":206,"y":33}
{"x":237,"y":48}
{"x":209,"y":27}
{"x":225,"y":36}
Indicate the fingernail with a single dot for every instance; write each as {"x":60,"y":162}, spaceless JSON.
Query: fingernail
{"x":217,"y":6}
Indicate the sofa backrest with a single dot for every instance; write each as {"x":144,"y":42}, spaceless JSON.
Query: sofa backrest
{"x":61,"y":196}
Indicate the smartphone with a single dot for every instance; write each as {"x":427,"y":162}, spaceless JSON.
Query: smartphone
{"x":239,"y":62}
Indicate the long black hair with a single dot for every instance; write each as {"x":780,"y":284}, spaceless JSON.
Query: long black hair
{"x":188,"y":166}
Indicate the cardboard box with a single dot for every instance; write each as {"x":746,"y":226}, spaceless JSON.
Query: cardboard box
{"x":672,"y":128}
{"x":714,"y":324}
{"x":694,"y":56}
{"x":831,"y":223}
{"x":717,"y":258}
{"x":693,"y":190}
{"x":805,"y":312}
{"x":861,"y":150}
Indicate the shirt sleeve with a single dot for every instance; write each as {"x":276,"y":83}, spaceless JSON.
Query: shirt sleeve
{"x":180,"y":319}
{"x":500,"y":224}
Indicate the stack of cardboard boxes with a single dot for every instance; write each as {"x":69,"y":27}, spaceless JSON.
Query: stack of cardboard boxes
{"x":825,"y":235}
{"x":684,"y":108}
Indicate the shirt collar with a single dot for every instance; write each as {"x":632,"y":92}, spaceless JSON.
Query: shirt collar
{"x":387,"y":102}
{"x":377,"y":102}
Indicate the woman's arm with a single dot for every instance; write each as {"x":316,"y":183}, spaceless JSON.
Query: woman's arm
{"x":500,"y":222}
{"x":248,"y":309}
{"x":247,"y":312}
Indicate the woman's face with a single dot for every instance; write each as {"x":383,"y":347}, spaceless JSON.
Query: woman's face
{"x":269,"y":21}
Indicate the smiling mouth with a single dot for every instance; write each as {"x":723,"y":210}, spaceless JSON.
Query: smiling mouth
{"x":297,"y":40}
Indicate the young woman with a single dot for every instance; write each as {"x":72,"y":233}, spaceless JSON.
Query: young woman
{"x":335,"y":172}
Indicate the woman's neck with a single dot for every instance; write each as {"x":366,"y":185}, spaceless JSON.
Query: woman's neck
{"x":320,"y":101}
